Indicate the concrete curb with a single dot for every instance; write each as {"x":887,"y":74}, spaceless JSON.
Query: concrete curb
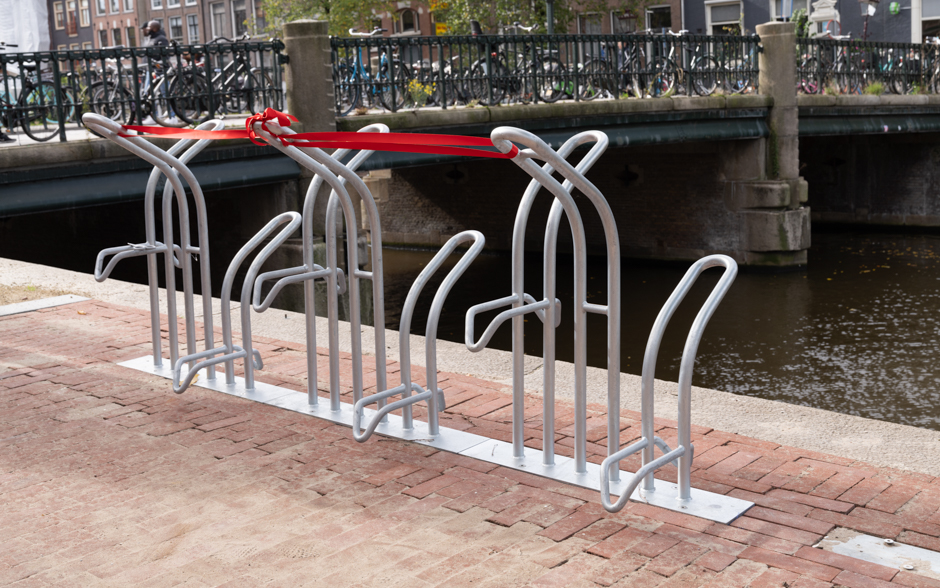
{"x":875,"y":442}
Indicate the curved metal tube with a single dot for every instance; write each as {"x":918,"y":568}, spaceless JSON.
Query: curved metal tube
{"x":685,"y":451}
{"x":230,"y":351}
{"x":433,"y":395}
{"x":328,"y":168}
{"x":110,"y":130}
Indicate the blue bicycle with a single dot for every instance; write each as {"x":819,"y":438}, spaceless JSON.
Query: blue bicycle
{"x":357,"y":86}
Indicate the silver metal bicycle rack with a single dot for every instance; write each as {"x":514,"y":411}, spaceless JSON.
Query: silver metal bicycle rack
{"x":433,"y":395}
{"x":549,"y":308}
{"x":329,"y":168}
{"x":167,"y":164}
{"x":542,"y":163}
{"x":683,"y":454}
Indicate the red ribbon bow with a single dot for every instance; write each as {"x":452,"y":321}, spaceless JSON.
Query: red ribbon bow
{"x":283,"y":120}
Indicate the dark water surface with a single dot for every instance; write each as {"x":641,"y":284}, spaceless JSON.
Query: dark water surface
{"x":855,"y":332}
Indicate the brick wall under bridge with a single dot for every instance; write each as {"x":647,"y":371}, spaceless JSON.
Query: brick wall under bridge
{"x":676,"y":201}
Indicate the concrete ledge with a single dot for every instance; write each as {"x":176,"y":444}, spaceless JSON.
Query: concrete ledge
{"x":822,"y":100}
{"x":435,"y":117}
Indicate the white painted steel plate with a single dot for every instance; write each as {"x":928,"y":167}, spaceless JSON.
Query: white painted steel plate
{"x":706,"y":505}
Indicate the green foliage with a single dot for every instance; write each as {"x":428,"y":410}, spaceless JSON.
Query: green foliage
{"x":341,"y":14}
{"x":875,"y":89}
{"x":802,"y":22}
{"x":494,"y":15}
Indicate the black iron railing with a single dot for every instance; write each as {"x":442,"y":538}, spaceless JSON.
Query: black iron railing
{"x":411,"y":72}
{"x":852,"y":66}
{"x":44,"y":92}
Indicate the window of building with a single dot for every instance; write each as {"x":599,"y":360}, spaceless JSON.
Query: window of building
{"x":58,"y":11}
{"x":622,"y":22}
{"x":74,"y":47}
{"x":71,"y":17}
{"x":930,"y":19}
{"x":218,"y":19}
{"x":102,"y":7}
{"x":172,"y":3}
{"x":84,"y":12}
{"x":116,"y":36}
{"x":784,"y":9}
{"x":128,"y":5}
{"x":115,"y":6}
{"x":659,"y":18}
{"x":176,"y":28}
{"x":723,"y":18}
{"x":102,"y":38}
{"x":131,"y":36}
{"x":190,"y":2}
{"x":88,"y":45}
{"x":591,"y":24}
{"x":192,"y":27}
{"x":406,"y":22}
{"x":156,"y":4}
{"x":239,"y":18}
{"x":62,"y":47}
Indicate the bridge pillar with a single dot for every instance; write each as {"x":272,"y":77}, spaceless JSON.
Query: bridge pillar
{"x":776,"y":229}
{"x":309,"y":74}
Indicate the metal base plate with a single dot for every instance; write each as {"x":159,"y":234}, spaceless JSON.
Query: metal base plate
{"x":707,"y":505}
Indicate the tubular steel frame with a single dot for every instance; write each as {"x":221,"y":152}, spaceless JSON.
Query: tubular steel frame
{"x":541,"y":162}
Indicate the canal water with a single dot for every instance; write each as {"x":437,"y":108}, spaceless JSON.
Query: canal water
{"x":855,"y":332}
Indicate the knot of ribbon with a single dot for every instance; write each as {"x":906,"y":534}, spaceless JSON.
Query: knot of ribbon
{"x":269,"y":114}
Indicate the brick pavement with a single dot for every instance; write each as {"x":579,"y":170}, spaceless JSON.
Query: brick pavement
{"x":107,"y":478}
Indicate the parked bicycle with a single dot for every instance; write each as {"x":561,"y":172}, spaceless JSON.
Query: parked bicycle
{"x":32,"y":103}
{"x":357,"y":86}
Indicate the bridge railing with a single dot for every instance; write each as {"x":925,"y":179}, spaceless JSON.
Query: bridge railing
{"x":393,"y":73}
{"x":44,"y":93}
{"x":852,"y":66}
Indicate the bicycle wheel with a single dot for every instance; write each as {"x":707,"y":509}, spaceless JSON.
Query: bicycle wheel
{"x":347,"y":98}
{"x":809,"y":76}
{"x":592,"y":79}
{"x":187,"y":96}
{"x":39,"y":116}
{"x":704,"y":75}
{"x":397,"y":98}
{"x":737,"y":77}
{"x":552,"y":80}
{"x":662,"y":77}
{"x":111,"y":101}
{"x":479,"y":86}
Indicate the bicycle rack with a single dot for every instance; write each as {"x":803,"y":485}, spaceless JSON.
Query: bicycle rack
{"x":329,"y":168}
{"x":434,"y":396}
{"x":684,"y":452}
{"x":174,"y":168}
{"x":548,"y":309}
{"x":541,"y":162}
{"x":229,"y":351}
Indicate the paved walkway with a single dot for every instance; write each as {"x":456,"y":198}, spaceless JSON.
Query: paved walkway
{"x":107,"y":478}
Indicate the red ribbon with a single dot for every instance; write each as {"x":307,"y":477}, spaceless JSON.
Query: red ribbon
{"x":401,"y":142}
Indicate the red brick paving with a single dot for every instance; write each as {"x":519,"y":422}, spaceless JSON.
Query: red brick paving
{"x":108,"y":478}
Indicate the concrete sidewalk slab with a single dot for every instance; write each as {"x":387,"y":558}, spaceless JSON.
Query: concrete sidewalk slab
{"x":107,"y":478}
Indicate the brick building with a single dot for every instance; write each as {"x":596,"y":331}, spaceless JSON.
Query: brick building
{"x":115,"y":22}
{"x":70,"y":24}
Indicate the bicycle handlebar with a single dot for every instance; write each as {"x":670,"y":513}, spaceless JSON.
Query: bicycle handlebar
{"x":527,"y":29}
{"x":375,"y":32}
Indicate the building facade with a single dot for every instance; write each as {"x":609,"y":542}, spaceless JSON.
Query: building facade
{"x":70,"y":24}
{"x":115,"y":22}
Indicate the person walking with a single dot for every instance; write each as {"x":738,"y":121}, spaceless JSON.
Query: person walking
{"x":153,"y":35}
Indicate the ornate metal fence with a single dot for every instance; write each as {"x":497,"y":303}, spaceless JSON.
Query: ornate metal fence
{"x":852,"y":66}
{"x":178,"y":85}
{"x":412,"y":72}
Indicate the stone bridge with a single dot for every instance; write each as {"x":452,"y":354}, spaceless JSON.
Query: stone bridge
{"x":741,"y":175}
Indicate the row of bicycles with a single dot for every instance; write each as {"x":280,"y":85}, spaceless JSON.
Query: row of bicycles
{"x":841,"y":65}
{"x":172,"y":86}
{"x":372,"y":71}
